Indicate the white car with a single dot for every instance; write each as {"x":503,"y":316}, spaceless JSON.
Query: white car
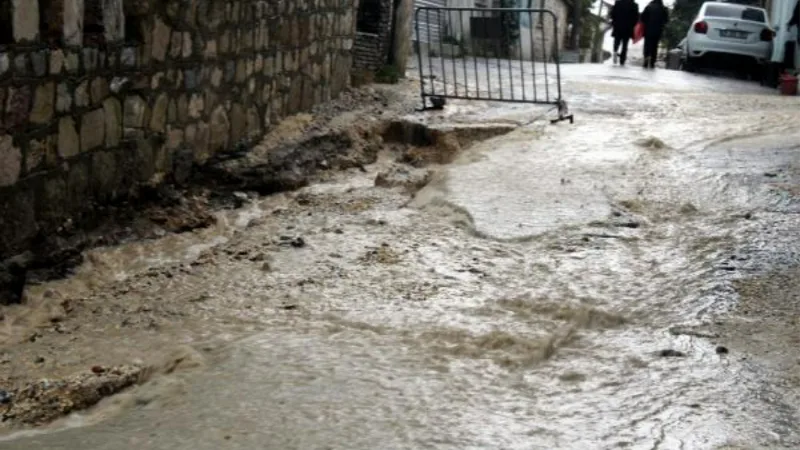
{"x":728,"y":32}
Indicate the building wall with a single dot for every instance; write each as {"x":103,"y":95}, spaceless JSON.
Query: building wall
{"x":138,"y":93}
{"x":373,"y":38}
{"x":540,"y":27}
{"x":549,"y":33}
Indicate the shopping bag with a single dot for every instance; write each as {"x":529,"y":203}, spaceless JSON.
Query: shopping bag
{"x":638,"y":32}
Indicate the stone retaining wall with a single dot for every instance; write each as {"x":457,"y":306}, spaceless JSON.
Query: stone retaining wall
{"x":137,"y":92}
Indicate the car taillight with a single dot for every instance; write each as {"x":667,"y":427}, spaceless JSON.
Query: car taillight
{"x":767,"y":34}
{"x":701,"y":28}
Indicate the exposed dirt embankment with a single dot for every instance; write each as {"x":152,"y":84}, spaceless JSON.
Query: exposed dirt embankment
{"x":340,"y":134}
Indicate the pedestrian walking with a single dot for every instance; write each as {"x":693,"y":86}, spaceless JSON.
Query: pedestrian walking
{"x":624,"y":16}
{"x":654,"y":18}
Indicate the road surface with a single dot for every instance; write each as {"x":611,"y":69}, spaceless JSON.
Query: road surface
{"x":608,"y":284}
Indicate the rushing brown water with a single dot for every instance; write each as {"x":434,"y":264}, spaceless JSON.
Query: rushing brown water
{"x":561,"y":287}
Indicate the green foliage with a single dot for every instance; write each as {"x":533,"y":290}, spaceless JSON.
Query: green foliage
{"x":510,"y":24}
{"x":387,"y":75}
{"x":589,"y":24}
{"x":681,"y":16}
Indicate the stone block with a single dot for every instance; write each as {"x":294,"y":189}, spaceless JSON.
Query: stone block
{"x":92,"y":130}
{"x":175,"y":44}
{"x":112,"y":110}
{"x":73,"y":22}
{"x":78,"y":182}
{"x":68,"y":140}
{"x":5,"y":63}
{"x":161,"y":40}
{"x":40,"y":151}
{"x":253,"y":123}
{"x":200,"y":144}
{"x":241,"y":71}
{"x":238,"y":123}
{"x":211,"y":49}
{"x":219,"y":130}
{"x":128,"y":57}
{"x":104,"y":176}
{"x":10,"y":161}
{"x":135,"y":112}
{"x":90,"y":59}
{"x":158,"y":119}
{"x":39,"y":63}
{"x":186,"y":49}
{"x":172,"y":112}
{"x":52,"y":198}
{"x":190,"y":79}
{"x":72,"y":62}
{"x":196,"y":106}
{"x":216,"y":77}
{"x":19,"y":104}
{"x":183,"y":109}
{"x":43,"y":104}
{"x":99,"y":90}
{"x":225,"y":42}
{"x":230,"y":71}
{"x":21,"y":65}
{"x":113,"y":20}
{"x":145,"y":160}
{"x":82,"y":95}
{"x":25,"y":20}
{"x":174,"y":138}
{"x":56,"y":62}
{"x":63,"y":98}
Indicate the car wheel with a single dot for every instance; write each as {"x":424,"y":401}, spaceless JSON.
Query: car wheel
{"x":689,"y":64}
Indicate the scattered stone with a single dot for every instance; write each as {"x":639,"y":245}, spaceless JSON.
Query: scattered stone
{"x":98,"y":370}
{"x":39,"y":360}
{"x":41,"y":402}
{"x":670,"y":353}
{"x":410,"y":178}
{"x":721,"y":350}
{"x":239,"y":199}
{"x":266,"y":267}
{"x":298,"y":242}
{"x":289,"y":307}
{"x":5,"y":397}
{"x":770,"y":174}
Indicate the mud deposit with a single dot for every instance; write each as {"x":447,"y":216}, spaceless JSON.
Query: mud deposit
{"x":625,"y":282}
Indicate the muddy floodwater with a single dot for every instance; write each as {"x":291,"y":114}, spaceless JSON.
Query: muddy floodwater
{"x":629,"y":281}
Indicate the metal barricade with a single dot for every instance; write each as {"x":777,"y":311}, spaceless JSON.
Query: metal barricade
{"x":489,"y":54}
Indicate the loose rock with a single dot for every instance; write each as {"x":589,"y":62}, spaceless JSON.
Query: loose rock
{"x":670,"y":353}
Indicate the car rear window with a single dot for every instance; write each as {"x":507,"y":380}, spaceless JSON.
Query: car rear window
{"x":733,"y":12}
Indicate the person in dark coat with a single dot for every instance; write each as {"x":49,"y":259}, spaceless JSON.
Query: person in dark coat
{"x":654,"y":18}
{"x":795,"y":20}
{"x":624,"y":16}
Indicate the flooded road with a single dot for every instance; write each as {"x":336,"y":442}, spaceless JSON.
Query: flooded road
{"x":572,"y":287}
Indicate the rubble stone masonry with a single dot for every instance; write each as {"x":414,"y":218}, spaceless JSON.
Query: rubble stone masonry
{"x":101,"y":97}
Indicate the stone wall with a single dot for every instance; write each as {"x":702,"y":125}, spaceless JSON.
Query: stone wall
{"x":373,"y":34}
{"x":137,"y":92}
